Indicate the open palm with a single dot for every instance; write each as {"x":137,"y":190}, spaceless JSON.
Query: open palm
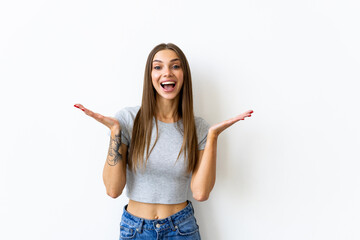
{"x":110,"y":122}
{"x":219,"y":127}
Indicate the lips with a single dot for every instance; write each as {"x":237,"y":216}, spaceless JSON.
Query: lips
{"x":168,"y":85}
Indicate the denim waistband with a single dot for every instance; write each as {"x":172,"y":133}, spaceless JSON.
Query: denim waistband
{"x":158,"y":224}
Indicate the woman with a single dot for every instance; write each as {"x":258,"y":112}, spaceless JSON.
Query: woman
{"x":160,"y":149}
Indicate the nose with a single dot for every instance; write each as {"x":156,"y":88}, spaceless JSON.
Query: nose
{"x":167,"y":72}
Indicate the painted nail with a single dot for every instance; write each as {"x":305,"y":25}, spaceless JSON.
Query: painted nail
{"x":76,"y":106}
{"x":83,"y":109}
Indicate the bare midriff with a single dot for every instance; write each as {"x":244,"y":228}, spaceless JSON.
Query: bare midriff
{"x":153,"y":211}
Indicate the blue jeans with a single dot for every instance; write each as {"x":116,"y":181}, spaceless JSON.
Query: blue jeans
{"x":181,"y":225}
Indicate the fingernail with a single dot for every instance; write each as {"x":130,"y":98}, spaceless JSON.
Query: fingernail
{"x":83,"y":109}
{"x":76,"y":106}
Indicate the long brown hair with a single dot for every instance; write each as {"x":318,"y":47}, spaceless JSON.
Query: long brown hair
{"x":143,"y":124}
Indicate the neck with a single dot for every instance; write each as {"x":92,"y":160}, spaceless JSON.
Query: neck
{"x":167,"y":110}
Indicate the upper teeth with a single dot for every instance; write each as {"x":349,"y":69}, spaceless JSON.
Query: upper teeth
{"x":168,"y":83}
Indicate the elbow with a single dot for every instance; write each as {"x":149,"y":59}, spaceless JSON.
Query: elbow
{"x":113,"y":193}
{"x":114,"y":190}
{"x":201,"y":197}
{"x":201,"y":194}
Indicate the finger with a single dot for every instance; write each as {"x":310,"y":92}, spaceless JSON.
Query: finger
{"x":247,"y":113}
{"x":79,"y":106}
{"x":244,"y":115}
{"x":90,"y":113}
{"x":227,"y":123}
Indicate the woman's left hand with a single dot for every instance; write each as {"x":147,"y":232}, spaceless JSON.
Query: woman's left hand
{"x":216,"y":129}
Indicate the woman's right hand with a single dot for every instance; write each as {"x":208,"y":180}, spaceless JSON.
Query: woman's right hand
{"x":112,"y":123}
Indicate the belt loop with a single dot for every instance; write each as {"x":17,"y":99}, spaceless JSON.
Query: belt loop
{"x":191,"y":207}
{"x":171,"y":223}
{"x":140,"y":227}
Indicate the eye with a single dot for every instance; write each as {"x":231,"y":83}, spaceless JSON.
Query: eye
{"x":157,"y":67}
{"x":176,"y":66}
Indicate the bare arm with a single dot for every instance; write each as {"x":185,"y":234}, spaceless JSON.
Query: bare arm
{"x":203,"y":178}
{"x":114,"y":173}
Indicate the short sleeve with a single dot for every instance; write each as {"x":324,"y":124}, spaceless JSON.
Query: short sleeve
{"x":202,"y":128}
{"x":125,"y":117}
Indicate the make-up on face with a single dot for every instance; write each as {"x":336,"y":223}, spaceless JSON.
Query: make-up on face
{"x":167,"y":74}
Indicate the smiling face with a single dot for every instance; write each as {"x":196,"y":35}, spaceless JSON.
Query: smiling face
{"x":167,"y":74}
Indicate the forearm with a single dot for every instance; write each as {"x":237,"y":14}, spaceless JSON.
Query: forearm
{"x":204,"y":180}
{"x":114,"y":173}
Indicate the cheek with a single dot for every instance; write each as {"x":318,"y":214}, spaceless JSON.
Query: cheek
{"x":155,"y":75}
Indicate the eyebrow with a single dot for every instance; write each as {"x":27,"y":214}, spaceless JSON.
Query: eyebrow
{"x":176,"y":59}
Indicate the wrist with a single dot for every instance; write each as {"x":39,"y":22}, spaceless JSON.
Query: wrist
{"x":212,"y":135}
{"x":115,"y":130}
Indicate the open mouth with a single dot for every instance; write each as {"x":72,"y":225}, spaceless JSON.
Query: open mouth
{"x":168,"y":86}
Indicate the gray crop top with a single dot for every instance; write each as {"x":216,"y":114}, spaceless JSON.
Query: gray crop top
{"x":162,"y":181}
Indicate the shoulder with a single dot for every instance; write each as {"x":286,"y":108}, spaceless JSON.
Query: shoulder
{"x":126,"y":116}
{"x":200,"y":122}
{"x":202,"y":126}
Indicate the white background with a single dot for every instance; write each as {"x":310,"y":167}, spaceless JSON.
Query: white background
{"x":291,"y":171}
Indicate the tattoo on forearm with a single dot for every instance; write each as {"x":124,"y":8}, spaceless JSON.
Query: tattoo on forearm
{"x":113,"y":155}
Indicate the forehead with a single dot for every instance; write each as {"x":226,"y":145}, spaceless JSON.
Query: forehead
{"x":165,"y":55}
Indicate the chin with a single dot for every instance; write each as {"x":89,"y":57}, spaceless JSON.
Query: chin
{"x":169,"y":97}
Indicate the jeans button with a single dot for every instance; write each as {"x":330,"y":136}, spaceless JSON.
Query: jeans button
{"x":158,"y":225}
